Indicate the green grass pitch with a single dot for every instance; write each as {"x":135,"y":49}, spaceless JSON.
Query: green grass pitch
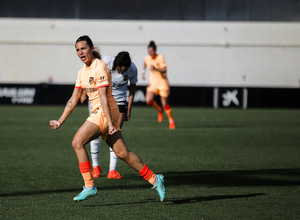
{"x":218,"y":164}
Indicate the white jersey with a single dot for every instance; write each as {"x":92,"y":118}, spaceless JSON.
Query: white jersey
{"x":120,"y":81}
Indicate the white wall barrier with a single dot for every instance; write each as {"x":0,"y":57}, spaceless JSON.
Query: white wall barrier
{"x":198,"y":53}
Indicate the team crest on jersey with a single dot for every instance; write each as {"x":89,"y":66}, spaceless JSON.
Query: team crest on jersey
{"x":91,"y":80}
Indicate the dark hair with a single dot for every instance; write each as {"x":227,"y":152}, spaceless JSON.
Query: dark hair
{"x":152,"y":44}
{"x":122,"y":59}
{"x":89,"y":42}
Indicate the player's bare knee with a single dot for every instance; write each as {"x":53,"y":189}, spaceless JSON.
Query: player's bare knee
{"x":149,"y":102}
{"x":123,"y":155}
{"x":120,"y":155}
{"x":76,"y":144}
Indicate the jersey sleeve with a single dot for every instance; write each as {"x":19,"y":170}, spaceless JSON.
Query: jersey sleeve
{"x":133,"y":74}
{"x":102,"y":76}
{"x":163,"y":62}
{"x":78,"y":83}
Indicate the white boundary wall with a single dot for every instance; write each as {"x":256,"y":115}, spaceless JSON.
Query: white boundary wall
{"x":198,"y":53}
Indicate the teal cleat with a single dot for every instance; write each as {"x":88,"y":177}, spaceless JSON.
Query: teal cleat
{"x":86,"y":193}
{"x":159,"y":186}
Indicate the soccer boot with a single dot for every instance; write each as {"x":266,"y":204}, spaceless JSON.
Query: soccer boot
{"x":159,"y":186}
{"x":96,"y":171}
{"x":86,"y":193}
{"x":172,"y":125}
{"x":113,"y":175}
{"x":160,"y":116}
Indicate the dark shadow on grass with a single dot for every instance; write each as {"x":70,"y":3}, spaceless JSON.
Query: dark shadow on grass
{"x":187,"y":200}
{"x":211,"y":198}
{"x":123,"y":203}
{"x":276,"y":177}
{"x":77,"y":190}
{"x":39,"y":192}
{"x":237,"y":178}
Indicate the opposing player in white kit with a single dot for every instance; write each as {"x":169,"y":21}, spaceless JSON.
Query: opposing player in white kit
{"x":122,"y":71}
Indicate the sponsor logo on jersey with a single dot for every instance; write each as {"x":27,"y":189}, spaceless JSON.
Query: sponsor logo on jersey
{"x":116,"y":85}
{"x":90,"y":90}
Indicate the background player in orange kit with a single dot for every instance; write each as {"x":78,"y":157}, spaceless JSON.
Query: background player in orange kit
{"x":95,"y":78}
{"x":159,"y":84}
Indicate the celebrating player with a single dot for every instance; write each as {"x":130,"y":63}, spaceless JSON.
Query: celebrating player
{"x":159,"y":84}
{"x":95,"y":78}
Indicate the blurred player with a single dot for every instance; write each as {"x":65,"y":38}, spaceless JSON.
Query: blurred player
{"x":95,"y":78}
{"x":159,"y":84}
{"x":122,"y":70}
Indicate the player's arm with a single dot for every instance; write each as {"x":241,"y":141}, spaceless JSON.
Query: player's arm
{"x":71,"y":104}
{"x":104,"y":103}
{"x":163,"y":66}
{"x":132,"y":89}
{"x":144,"y":71}
{"x":161,"y":70}
{"x":83,"y":97}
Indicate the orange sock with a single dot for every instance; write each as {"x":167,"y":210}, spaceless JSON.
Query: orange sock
{"x":147,"y":174}
{"x":88,"y":179}
{"x":168,"y":111}
{"x":155,"y":105}
{"x":152,"y":179}
{"x":85,"y":170}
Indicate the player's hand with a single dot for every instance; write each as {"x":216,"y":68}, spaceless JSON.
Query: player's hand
{"x":128,"y":115}
{"x":54,"y":124}
{"x":143,"y":76}
{"x":83,"y":96}
{"x":111,"y":129}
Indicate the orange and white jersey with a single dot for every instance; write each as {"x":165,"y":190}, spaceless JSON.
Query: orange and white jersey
{"x":92,"y":77}
{"x":158,"y":62}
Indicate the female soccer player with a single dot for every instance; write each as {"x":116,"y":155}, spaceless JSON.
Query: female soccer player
{"x":159,"y":84}
{"x":94,"y":78}
{"x":122,"y":70}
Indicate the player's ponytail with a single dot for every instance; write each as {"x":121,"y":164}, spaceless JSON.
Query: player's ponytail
{"x":153,"y":45}
{"x":96,"y":53}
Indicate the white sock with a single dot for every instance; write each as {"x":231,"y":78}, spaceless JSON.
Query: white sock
{"x":95,"y":147}
{"x":113,"y":160}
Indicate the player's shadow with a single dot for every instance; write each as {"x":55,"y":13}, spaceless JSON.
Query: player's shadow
{"x":197,"y":199}
{"x":180,"y":201}
{"x":38,"y":192}
{"x":271,"y":177}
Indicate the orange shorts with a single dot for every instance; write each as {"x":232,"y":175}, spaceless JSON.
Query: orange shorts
{"x":163,"y":89}
{"x":98,"y":117}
